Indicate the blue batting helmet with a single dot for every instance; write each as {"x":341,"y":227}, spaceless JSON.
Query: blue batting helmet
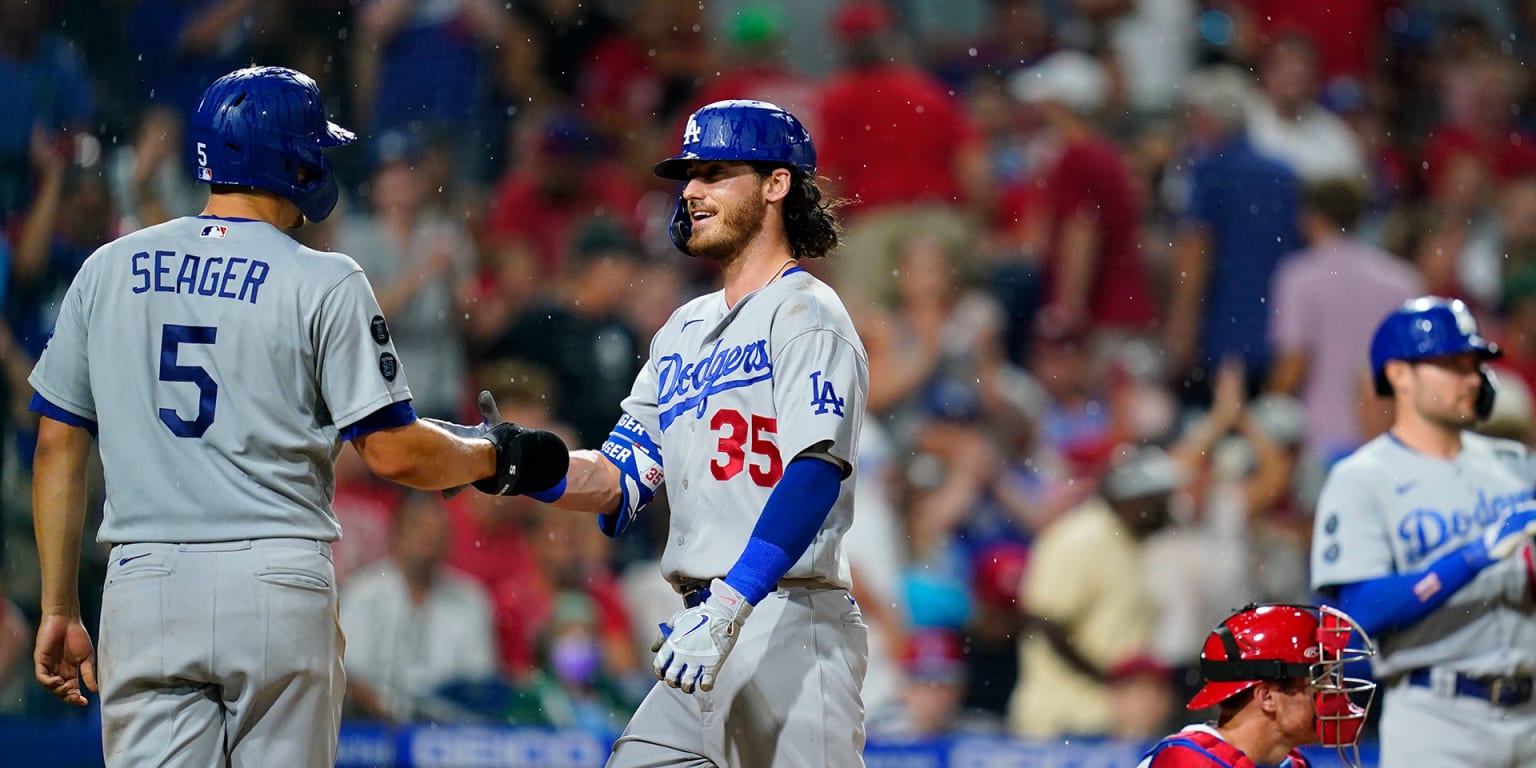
{"x":738,"y":130}
{"x":258,"y":127}
{"x":1425,"y":327}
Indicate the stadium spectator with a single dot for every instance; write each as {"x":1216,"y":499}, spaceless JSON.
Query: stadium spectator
{"x":932,"y":703}
{"x":1240,"y":218}
{"x":899,"y":147}
{"x":571,"y":689}
{"x":1087,"y":601}
{"x":564,"y":178}
{"x":417,"y":262}
{"x":46,"y":90}
{"x":1093,"y":269}
{"x":1141,"y":696}
{"x":150,"y":182}
{"x":1288,"y":123}
{"x":429,"y":68}
{"x":755,"y":65}
{"x":936,"y":358}
{"x":365,"y":506}
{"x":1327,"y":299}
{"x":1236,"y":473}
{"x":578,"y":333}
{"x":413,"y":625}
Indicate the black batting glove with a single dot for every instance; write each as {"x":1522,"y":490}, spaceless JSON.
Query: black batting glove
{"x":526,"y":460}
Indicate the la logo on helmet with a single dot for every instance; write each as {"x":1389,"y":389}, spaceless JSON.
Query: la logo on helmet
{"x":692,"y":133}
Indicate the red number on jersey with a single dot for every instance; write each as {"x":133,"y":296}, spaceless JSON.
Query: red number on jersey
{"x":730,"y":444}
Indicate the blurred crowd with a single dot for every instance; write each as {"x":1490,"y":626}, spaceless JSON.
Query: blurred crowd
{"x":1115,"y":263}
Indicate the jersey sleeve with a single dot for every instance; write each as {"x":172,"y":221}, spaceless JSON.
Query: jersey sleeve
{"x":641,"y":402}
{"x":1350,"y":538}
{"x":360,"y":371}
{"x":820,"y":385}
{"x":62,"y":374}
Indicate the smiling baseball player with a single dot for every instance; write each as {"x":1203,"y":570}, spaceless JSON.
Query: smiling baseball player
{"x":1423,"y":534}
{"x":221,"y":364}
{"x":752,"y":401}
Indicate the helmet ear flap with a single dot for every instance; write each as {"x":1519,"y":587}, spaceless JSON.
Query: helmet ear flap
{"x":1486,"y":391}
{"x":681,"y":227}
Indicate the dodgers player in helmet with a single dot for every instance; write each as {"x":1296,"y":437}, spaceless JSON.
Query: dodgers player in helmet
{"x":220,"y":364}
{"x":1424,"y":536}
{"x":749,"y":410}
{"x":1277,"y":674}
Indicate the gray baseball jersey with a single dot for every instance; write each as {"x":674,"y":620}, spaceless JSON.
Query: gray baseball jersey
{"x":220,"y":360}
{"x":1388,"y":509}
{"x":730,"y":396}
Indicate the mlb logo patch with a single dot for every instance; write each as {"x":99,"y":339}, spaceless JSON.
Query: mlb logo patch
{"x":205,"y":174}
{"x":215,"y":230}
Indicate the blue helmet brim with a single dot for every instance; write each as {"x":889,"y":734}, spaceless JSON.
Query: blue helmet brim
{"x":336,"y":136}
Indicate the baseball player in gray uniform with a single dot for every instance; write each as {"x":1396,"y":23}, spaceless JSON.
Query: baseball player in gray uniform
{"x":749,"y":409}
{"x":1424,"y":536}
{"x":220,"y":364}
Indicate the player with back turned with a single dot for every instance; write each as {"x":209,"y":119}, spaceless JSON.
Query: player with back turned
{"x":220,"y":365}
{"x":749,"y":408}
{"x":1423,"y":535}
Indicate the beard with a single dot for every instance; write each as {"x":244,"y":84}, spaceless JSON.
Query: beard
{"x":734,"y":228}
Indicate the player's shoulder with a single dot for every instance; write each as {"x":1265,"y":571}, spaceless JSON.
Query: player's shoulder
{"x":1381,"y":453}
{"x":1196,"y":746}
{"x":1499,"y":448}
{"x":323,"y":264}
{"x":809,"y":304}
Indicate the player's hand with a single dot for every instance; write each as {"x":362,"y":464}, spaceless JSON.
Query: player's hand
{"x":64,"y":655}
{"x":697,"y":640}
{"x":1502,"y":540}
{"x":526,"y":459}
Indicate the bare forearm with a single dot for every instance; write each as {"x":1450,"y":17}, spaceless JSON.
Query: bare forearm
{"x":1191,"y":264}
{"x":58,"y":513}
{"x":591,"y":484}
{"x":424,"y":456}
{"x":37,"y":232}
{"x":1078,"y":244}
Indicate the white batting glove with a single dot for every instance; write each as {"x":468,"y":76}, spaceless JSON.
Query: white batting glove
{"x":1503,"y":540}
{"x":698,"y":639}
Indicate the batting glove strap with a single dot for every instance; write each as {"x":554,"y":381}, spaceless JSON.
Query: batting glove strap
{"x":698,"y":639}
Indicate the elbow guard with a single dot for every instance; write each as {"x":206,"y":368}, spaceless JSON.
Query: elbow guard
{"x":638,"y":458}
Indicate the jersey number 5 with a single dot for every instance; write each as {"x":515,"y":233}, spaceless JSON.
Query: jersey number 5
{"x":735,"y":437}
{"x":171,"y":339}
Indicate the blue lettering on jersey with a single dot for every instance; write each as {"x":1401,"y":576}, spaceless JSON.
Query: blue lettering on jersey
{"x":823,"y":396}
{"x":1425,"y":531}
{"x":692,"y":383}
{"x":214,"y":276}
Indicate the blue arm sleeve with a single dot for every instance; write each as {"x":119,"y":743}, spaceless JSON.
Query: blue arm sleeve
{"x":1395,"y":602}
{"x":795,"y":511}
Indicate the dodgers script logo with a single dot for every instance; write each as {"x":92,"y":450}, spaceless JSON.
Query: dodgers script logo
{"x":1424,"y":531}
{"x":721,"y":368}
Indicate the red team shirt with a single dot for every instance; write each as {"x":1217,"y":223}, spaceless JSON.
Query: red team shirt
{"x":1199,"y":746}
{"x":1090,"y":177}
{"x":870,"y":116}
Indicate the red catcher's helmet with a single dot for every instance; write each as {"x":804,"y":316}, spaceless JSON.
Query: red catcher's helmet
{"x":1286,"y":642}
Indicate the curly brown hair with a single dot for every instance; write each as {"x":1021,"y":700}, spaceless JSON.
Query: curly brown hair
{"x":810,"y":222}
